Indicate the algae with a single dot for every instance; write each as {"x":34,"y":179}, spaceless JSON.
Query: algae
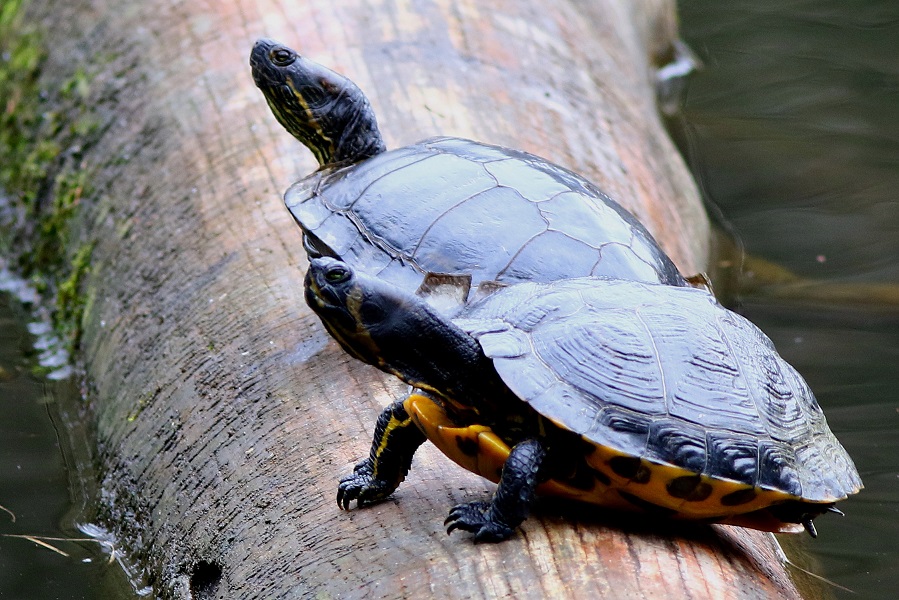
{"x":46,"y":123}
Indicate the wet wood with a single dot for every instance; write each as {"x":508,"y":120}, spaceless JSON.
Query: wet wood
{"x":224,"y":413}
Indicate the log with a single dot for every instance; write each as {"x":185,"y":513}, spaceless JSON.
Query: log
{"x":224,"y":413}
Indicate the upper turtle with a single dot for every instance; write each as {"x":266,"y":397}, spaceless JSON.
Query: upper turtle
{"x":479,"y":213}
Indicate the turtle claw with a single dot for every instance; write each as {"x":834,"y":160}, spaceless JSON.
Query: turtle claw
{"x":809,"y":526}
{"x":477,"y":518}
{"x":362,"y":487}
{"x":348,"y":490}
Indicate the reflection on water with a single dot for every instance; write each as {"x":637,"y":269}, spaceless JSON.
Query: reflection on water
{"x":43,"y":481}
{"x":793,"y":130}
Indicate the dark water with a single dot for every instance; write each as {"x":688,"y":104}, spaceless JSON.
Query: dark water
{"x":44,"y":478}
{"x":792,"y":129}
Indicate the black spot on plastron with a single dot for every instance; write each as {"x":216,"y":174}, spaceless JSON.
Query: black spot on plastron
{"x":602,"y":477}
{"x":630,"y":467}
{"x":649,"y":507}
{"x":581,"y":478}
{"x":739,"y":497}
{"x":690,"y":488}
{"x":467,"y":446}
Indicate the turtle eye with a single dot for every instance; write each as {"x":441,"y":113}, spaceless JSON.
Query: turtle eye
{"x":337,"y":274}
{"x":282,"y":56}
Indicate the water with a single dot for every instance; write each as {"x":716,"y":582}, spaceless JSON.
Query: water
{"x":45,"y":481}
{"x":792,"y":130}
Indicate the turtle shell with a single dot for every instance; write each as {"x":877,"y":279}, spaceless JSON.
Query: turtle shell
{"x":458,"y":207}
{"x":686,"y":405}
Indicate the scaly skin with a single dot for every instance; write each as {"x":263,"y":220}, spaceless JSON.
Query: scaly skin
{"x":395,"y":441}
{"x":496,"y":520}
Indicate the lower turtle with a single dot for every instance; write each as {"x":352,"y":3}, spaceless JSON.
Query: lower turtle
{"x":618,"y":393}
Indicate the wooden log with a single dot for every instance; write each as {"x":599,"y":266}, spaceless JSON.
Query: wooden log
{"x":224,"y":412}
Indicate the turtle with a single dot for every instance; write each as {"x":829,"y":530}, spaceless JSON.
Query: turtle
{"x":617,"y":393}
{"x":443,"y":206}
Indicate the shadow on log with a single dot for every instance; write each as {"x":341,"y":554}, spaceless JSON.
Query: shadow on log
{"x":224,"y":412}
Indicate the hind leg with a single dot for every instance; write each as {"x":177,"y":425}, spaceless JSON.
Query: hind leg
{"x":496,"y":520}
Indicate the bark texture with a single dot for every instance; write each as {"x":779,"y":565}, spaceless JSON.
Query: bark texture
{"x":225,"y":414}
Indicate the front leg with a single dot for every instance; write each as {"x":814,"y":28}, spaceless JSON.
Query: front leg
{"x":395,"y":441}
{"x":495,"y":521}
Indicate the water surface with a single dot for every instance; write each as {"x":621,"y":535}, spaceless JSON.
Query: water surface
{"x":792,"y":130}
{"x":45,"y":480}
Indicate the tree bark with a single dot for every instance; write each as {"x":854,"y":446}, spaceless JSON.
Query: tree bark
{"x":224,"y":412}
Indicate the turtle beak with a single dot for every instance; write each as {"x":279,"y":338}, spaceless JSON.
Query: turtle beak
{"x":263,"y":72}
{"x":319,"y":295}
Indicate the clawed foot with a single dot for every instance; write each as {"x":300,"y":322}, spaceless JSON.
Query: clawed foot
{"x":362,"y":487}
{"x":477,"y":518}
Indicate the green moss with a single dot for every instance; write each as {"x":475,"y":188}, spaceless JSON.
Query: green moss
{"x":45,"y":124}
{"x":70,"y":302}
{"x":142,"y":403}
{"x":24,"y":161}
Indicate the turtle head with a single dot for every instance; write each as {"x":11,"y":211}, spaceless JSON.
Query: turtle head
{"x":326,"y":111}
{"x":354,"y":309}
{"x":396,"y":331}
